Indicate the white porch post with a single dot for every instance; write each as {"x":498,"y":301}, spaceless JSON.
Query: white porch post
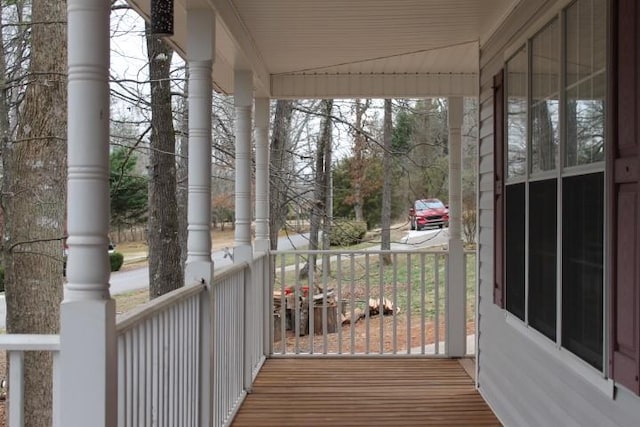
{"x":243,"y":95}
{"x":456,"y":329}
{"x":262,"y":174}
{"x":87,"y":316}
{"x":200,"y":57}
{"x":201,"y":30}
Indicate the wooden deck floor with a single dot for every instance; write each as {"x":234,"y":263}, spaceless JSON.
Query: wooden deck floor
{"x":364,"y":392}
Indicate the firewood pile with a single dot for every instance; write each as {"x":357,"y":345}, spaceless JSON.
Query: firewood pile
{"x":336,"y":311}
{"x":372,"y":309}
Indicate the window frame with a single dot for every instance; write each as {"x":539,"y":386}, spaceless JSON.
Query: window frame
{"x":561,"y":171}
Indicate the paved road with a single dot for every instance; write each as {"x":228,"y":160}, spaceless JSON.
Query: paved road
{"x":131,"y":280}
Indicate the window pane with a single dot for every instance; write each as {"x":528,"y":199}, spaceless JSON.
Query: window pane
{"x":582,"y":266}
{"x":585,"y":122}
{"x":515,"y":248}
{"x":586,"y":81}
{"x":542,"y":256}
{"x":585,"y":39}
{"x":517,"y":114}
{"x":544,"y":98}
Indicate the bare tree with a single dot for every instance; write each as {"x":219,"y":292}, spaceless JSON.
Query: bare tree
{"x":34,"y":211}
{"x":165,"y":273}
{"x":318,"y":206}
{"x":279,"y":170}
{"x":359,"y":143}
{"x":182,"y":173}
{"x":386,"y":185}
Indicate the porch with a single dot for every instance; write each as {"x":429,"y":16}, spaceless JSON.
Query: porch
{"x":364,"y":391}
{"x":193,"y":356}
{"x":217,"y":355}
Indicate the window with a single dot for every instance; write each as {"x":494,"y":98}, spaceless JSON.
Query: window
{"x":517,"y":115}
{"x":543,"y":244}
{"x":554,"y":190}
{"x":582,"y":272}
{"x":585,"y":82}
{"x":545,"y":76}
{"x":515,"y":249}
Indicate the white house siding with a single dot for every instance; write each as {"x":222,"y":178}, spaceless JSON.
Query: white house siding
{"x":525,"y":384}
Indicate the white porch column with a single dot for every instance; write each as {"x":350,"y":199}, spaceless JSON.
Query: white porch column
{"x":87,"y":315}
{"x":262,"y":174}
{"x":456,"y":328}
{"x":201,"y":31}
{"x":243,"y":95}
{"x":200,"y":57}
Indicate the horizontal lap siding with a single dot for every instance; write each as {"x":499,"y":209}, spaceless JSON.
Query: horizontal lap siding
{"x":525,"y":384}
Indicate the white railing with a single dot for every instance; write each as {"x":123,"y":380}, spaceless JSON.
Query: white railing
{"x":347,"y":288}
{"x":16,"y":345}
{"x":256,"y":291}
{"x":229,"y":341}
{"x":159,"y":352}
{"x":191,"y":355}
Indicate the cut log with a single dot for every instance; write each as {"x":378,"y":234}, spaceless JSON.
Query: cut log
{"x":332,"y":319}
{"x":358,"y":314}
{"x":387,"y":307}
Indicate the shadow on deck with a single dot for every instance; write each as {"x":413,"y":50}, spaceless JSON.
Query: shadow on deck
{"x":364,"y":392}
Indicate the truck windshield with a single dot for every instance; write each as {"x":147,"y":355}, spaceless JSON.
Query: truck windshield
{"x":428,"y":204}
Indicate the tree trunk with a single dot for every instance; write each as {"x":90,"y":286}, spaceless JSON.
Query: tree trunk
{"x":386,"y":185}
{"x":165,"y":273}
{"x":182,"y":187}
{"x":318,"y":208}
{"x":357,"y":174}
{"x":34,"y":203}
{"x":328,"y":189}
{"x":279,"y":170}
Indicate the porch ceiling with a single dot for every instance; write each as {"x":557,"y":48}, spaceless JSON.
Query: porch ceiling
{"x":354,"y":48}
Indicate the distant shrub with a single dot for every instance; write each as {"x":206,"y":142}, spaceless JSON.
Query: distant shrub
{"x":469,"y":226}
{"x":116,"y":259}
{"x":346,"y":232}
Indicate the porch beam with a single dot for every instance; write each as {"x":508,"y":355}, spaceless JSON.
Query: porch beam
{"x":87,"y":314}
{"x":335,"y":86}
{"x":456,"y":328}
{"x":243,"y":99}
{"x":262,"y":174}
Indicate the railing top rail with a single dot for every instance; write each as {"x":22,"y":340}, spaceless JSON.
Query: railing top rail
{"x":223,"y":273}
{"x":148,"y":310}
{"x":360,"y":251}
{"x":29,"y":342}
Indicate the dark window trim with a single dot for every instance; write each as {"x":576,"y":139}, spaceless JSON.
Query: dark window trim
{"x":623,"y":160}
{"x":498,"y":167}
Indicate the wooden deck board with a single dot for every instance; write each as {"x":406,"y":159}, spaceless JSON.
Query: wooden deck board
{"x":364,"y":392}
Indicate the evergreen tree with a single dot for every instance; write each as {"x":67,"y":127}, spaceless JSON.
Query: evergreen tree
{"x":128,"y":191}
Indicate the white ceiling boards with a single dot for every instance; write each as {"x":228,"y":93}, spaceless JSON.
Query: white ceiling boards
{"x":378,"y":48}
